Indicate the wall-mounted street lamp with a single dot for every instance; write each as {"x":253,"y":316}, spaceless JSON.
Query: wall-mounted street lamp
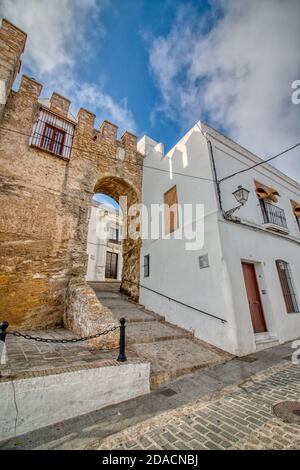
{"x":241,"y":195}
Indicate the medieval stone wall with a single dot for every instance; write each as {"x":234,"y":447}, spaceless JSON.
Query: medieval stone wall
{"x":44,"y":202}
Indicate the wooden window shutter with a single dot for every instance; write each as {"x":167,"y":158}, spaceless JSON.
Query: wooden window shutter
{"x":287,"y":286}
{"x":171,"y":211}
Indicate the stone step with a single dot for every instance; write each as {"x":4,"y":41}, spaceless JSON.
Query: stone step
{"x":173,"y":358}
{"x":113,"y":286}
{"x":154,"y":331}
{"x":171,"y":350}
{"x":118,"y":302}
{"x":132,"y":315}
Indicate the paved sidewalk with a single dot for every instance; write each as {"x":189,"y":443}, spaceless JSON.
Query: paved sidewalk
{"x":28,"y":357}
{"x":90,"y":431}
{"x":241,"y":418}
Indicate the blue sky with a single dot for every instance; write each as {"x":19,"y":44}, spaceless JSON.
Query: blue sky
{"x":158,"y":66}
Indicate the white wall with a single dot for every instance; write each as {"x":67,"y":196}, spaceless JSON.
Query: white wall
{"x":50,"y":399}
{"x":262,"y":247}
{"x":218,"y":289}
{"x":174,"y":271}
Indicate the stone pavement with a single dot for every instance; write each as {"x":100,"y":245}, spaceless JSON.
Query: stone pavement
{"x":241,"y":418}
{"x":171,"y":351}
{"x":28,"y":357}
{"x":237,"y":415}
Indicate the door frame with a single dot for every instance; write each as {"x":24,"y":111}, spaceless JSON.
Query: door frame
{"x":253,"y":264}
{"x":112,"y":254}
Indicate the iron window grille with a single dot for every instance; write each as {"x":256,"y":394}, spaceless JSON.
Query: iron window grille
{"x":113,"y":235}
{"x":53,"y":134}
{"x":289,"y":294}
{"x":147,"y":266}
{"x":272,"y":214}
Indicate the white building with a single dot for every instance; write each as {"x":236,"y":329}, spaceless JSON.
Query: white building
{"x":104,"y":247}
{"x":241,"y":290}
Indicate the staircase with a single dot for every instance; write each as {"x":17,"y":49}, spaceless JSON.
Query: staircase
{"x":171,"y":350}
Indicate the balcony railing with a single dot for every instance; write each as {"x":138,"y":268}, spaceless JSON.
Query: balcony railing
{"x":273,"y":214}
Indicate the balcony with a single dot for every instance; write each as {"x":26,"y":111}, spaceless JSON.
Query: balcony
{"x":273,"y":217}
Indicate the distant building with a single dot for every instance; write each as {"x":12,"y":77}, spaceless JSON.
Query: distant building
{"x":104,"y":247}
{"x":241,"y":290}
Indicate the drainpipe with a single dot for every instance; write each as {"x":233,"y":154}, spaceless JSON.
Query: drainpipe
{"x":216,"y":177}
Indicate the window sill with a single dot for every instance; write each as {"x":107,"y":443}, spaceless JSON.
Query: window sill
{"x":57,"y":155}
{"x":276,"y":228}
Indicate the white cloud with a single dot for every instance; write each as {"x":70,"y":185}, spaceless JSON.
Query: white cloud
{"x":95,"y":99}
{"x":238,"y":74}
{"x":59,"y":39}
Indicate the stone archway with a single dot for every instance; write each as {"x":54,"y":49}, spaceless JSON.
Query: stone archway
{"x":118,"y":188}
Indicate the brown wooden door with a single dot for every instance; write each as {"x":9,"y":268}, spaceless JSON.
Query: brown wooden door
{"x":111,"y":265}
{"x":255,"y":305}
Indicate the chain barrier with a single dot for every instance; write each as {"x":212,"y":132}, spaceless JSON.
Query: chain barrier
{"x":63,"y":341}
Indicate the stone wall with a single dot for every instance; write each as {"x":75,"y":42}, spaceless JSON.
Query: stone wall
{"x":44,"y":204}
{"x":85,"y":315}
{"x":12,"y":43}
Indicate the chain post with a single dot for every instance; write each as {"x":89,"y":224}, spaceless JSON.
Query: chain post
{"x":3,"y":333}
{"x":122,"y":356}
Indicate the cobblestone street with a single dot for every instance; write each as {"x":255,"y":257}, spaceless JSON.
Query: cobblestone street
{"x":241,"y":418}
{"x":227,"y":406}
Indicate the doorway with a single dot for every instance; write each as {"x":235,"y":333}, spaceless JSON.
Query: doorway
{"x":111,"y":265}
{"x":254,"y":300}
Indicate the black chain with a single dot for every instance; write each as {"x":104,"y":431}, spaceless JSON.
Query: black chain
{"x":72,"y":340}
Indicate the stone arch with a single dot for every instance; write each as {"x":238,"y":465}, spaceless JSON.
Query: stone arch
{"x":118,"y":187}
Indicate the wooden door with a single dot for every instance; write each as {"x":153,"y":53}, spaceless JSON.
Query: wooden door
{"x":111,"y":265}
{"x":255,"y":305}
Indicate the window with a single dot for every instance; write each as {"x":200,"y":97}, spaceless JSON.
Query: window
{"x":53,"y":139}
{"x":296,"y":210}
{"x":171,"y":210}
{"x":287,"y":287}
{"x":147,"y":266}
{"x":272,"y":214}
{"x":113,"y":234}
{"x":53,"y":134}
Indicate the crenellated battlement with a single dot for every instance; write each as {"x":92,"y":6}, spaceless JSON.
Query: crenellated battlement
{"x":30,"y":87}
{"x":51,"y":164}
{"x":59,"y":104}
{"x":12,"y":44}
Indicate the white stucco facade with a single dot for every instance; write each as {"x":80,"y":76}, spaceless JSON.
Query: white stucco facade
{"x":177,"y":287}
{"x":103,"y":221}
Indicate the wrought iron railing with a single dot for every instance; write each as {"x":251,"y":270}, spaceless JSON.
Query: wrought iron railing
{"x":273,"y":214}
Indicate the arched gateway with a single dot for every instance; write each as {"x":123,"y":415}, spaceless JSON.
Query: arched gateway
{"x":127,"y":196}
{"x":51,"y":165}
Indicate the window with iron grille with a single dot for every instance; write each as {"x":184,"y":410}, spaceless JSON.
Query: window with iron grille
{"x":53,"y":134}
{"x":147,"y":266}
{"x":113,"y":234}
{"x":287,"y":286}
